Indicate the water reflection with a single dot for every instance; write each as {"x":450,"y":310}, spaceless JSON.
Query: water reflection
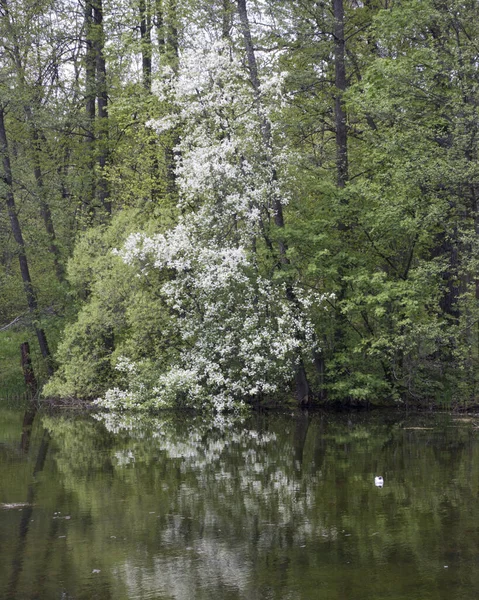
{"x":278,"y":506}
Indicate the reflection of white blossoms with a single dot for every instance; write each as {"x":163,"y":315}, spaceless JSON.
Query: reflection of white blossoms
{"x":124,"y":457}
{"x":232,"y":475}
{"x":207,"y":564}
{"x":227,"y":458}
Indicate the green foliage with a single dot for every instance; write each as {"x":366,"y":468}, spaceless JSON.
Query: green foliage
{"x":397,"y":245}
{"x":395,"y":251}
{"x":119,"y":314}
{"x":12,"y":384}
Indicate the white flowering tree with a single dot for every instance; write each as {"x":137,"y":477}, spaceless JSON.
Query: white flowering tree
{"x":244,"y":324}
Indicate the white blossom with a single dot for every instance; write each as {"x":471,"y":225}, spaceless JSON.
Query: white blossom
{"x":243,"y":335}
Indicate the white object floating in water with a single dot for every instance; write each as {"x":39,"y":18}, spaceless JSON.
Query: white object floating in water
{"x":378,"y":481}
{"x":15,"y":505}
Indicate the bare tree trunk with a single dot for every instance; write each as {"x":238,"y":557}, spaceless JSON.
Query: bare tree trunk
{"x":265,"y":125}
{"x":341,"y":85}
{"x":44,"y":207}
{"x":160,"y":28}
{"x":145,"y":35}
{"x":90,"y":109}
{"x":145,"y":14}
{"x":342,"y":167}
{"x":18,"y":237}
{"x":168,"y":17}
{"x":102,"y":104}
{"x":172,"y":47}
{"x":28,"y":372}
{"x":302,"y":391}
{"x":96,"y":104}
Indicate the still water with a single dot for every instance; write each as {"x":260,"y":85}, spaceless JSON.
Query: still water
{"x":276,"y":507}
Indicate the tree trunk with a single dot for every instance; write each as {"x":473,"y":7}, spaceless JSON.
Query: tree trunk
{"x":44,"y":206}
{"x":302,"y":391}
{"x":160,"y":28}
{"x":227,"y":19}
{"x":35,"y":146}
{"x":27,"y":367}
{"x":102,"y":104}
{"x":172,"y":47}
{"x":96,"y":104}
{"x":167,"y":27}
{"x":341,"y":85}
{"x":145,"y":39}
{"x":18,"y":237}
{"x":342,"y":168}
{"x":265,"y":125}
{"x":90,"y":109}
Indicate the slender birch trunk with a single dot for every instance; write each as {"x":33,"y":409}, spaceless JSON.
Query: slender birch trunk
{"x":18,"y":237}
{"x":36,"y":149}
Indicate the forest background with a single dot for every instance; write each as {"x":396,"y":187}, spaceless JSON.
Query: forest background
{"x":216,"y":203}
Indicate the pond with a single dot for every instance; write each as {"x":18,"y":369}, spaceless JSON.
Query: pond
{"x":278,"y":506}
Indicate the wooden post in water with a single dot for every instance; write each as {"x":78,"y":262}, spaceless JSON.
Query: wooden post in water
{"x":27,"y":367}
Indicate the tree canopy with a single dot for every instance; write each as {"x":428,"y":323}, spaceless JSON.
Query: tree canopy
{"x":225,"y":203}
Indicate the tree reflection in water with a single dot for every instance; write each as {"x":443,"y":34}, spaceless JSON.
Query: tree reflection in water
{"x":276,"y":506}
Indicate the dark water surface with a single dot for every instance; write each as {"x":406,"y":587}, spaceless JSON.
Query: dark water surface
{"x":277,"y":507}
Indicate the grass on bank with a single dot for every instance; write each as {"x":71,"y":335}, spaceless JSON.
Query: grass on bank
{"x":12,"y":383}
